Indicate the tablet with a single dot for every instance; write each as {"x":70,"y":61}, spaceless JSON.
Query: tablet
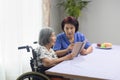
{"x":78,"y":46}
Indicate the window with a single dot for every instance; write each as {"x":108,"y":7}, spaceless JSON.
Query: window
{"x":20,"y":22}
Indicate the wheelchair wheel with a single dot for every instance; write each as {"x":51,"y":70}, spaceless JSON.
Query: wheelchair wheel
{"x":32,"y":76}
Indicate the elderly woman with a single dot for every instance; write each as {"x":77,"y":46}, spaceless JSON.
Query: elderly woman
{"x":48,"y":57}
{"x":70,"y":35}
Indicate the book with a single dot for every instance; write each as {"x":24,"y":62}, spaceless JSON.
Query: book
{"x":78,"y":46}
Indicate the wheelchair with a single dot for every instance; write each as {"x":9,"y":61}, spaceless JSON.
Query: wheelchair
{"x":37,"y":72}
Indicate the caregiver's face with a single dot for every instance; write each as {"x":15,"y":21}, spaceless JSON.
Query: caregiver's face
{"x":69,"y":30}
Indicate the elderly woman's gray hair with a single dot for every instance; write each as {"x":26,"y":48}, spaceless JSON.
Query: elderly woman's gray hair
{"x":44,"y":36}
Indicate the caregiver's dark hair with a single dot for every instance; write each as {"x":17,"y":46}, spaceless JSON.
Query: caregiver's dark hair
{"x":70,"y":20}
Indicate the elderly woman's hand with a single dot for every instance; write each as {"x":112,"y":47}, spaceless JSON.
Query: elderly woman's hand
{"x":69,"y":56}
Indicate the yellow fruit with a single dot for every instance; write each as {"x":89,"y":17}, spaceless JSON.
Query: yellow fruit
{"x":108,"y":45}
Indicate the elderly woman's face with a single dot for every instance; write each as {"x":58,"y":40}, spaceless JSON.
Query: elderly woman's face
{"x":69,"y":30}
{"x":52,"y":38}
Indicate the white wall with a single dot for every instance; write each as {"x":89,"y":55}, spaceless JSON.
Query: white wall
{"x":100,"y":21}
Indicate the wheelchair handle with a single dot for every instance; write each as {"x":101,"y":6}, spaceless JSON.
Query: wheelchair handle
{"x":25,"y":47}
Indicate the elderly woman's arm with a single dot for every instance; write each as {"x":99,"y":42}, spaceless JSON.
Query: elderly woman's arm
{"x":51,"y":62}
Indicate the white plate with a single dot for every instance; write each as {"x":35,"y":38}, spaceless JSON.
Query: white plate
{"x":103,"y":48}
